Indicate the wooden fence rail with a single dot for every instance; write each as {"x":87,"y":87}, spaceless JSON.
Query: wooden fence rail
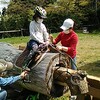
{"x":13,"y":31}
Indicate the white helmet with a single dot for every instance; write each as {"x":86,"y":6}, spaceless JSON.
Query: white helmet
{"x":40,"y":12}
{"x":68,"y":23}
{"x":5,"y":65}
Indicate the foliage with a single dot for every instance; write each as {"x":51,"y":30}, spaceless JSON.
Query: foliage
{"x":17,"y":16}
{"x":56,"y":15}
{"x":81,"y":11}
{"x":19,"y":13}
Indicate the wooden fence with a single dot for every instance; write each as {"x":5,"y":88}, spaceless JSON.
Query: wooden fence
{"x":12,"y":31}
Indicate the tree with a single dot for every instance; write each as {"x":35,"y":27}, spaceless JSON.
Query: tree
{"x":3,"y":11}
{"x":19,"y":12}
{"x":22,"y":11}
{"x":82,"y":11}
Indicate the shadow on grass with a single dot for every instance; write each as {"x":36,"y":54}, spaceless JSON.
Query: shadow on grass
{"x":92,"y":68}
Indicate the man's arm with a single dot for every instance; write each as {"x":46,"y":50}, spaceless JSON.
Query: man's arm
{"x":12,"y":79}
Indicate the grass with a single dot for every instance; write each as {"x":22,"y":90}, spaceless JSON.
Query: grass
{"x":16,"y":41}
{"x":88,"y":57}
{"x":88,"y":52}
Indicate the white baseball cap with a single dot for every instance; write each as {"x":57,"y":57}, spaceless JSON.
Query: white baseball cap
{"x":68,"y":23}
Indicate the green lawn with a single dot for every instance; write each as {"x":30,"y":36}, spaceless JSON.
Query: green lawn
{"x":88,"y":52}
{"x":88,"y":56}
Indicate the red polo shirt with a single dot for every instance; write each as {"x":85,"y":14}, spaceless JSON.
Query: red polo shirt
{"x":68,"y":40}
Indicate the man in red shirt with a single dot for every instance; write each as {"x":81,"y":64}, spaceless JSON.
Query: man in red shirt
{"x":68,"y":39}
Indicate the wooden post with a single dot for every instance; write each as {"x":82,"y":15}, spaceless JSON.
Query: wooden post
{"x":21,"y":30}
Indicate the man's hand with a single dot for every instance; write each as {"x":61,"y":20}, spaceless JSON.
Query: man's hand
{"x":51,"y":38}
{"x":59,"y":47}
{"x":62,"y":48}
{"x":23,"y":74}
